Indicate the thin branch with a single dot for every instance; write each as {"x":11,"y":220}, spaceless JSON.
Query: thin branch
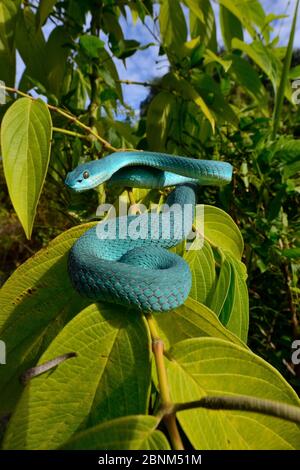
{"x":158,"y":352}
{"x":68,"y":116}
{"x":68,"y":132}
{"x":42,"y":368}
{"x":240,"y":403}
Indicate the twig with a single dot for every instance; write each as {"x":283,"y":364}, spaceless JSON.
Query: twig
{"x":158,"y":352}
{"x":68,"y":116}
{"x":240,"y":403}
{"x":42,"y":368}
{"x":68,"y":132}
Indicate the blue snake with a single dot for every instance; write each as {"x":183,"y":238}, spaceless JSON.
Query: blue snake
{"x":139,"y":271}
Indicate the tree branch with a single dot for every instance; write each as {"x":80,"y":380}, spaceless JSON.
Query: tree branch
{"x":68,"y":116}
{"x":239,"y":403}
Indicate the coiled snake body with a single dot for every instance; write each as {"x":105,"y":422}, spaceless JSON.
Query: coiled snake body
{"x":132,"y":270}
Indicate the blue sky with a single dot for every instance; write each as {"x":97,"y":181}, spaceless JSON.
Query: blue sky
{"x":146,"y":65}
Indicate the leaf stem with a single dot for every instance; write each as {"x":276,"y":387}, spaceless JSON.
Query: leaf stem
{"x":166,"y":403}
{"x":241,"y":403}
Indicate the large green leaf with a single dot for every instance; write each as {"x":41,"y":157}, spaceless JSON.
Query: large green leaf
{"x":221,"y":288}
{"x":204,"y":29}
{"x":221,"y":231}
{"x":130,"y":433}
{"x":211,"y":92}
{"x":158,"y":120}
{"x":110,"y":377}
{"x":8,"y":18}
{"x":230,"y":26}
{"x":172,"y":24}
{"x":26,"y":132}
{"x":188,"y":92}
{"x":35,"y":303}
{"x":235,"y":310}
{"x":210,"y":366}
{"x":246,"y":75}
{"x":202,"y":266}
{"x":57,"y":51}
{"x":262,"y":56}
{"x":191,"y":320}
{"x":31,"y":46}
{"x":249,"y":13}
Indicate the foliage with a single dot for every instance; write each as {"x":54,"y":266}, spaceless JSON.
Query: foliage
{"x":212,"y":103}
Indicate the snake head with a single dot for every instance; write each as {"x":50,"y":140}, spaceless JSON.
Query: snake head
{"x":86,"y":176}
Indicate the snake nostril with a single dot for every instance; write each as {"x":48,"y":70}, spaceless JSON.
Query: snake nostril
{"x":79,"y":181}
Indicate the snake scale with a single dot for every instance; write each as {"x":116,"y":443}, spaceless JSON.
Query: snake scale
{"x":139,"y":271}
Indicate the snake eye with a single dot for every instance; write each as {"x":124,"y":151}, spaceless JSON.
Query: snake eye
{"x":86,"y":174}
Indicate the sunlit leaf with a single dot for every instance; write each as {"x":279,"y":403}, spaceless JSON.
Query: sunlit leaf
{"x":25,"y":139}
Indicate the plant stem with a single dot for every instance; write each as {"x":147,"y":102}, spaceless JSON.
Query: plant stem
{"x":241,"y":403}
{"x":70,"y":117}
{"x":67,"y":132}
{"x":132,"y":200}
{"x":42,"y":368}
{"x":166,"y":403}
{"x":279,"y":98}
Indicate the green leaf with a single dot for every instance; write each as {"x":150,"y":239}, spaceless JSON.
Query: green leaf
{"x":230,"y":26}
{"x":221,"y":231}
{"x":210,"y":366}
{"x":91,"y":45}
{"x":205,"y":30}
{"x":279,"y":98}
{"x":112,"y":71}
{"x":246,"y":75}
{"x":31,"y":45}
{"x":221,"y":288}
{"x":35,"y":303}
{"x":45,"y":7}
{"x":192,"y":320}
{"x":210,"y":56}
{"x":202,"y":266}
{"x":294,"y":72}
{"x":158,"y":120}
{"x":25,"y":139}
{"x":195,"y":7}
{"x":188,"y":92}
{"x":292,"y":253}
{"x":109,"y":378}
{"x":172,"y":24}
{"x":8,"y":19}
{"x":249,"y":13}
{"x":235,"y":311}
{"x":212,"y":93}
{"x":263,"y":57}
{"x":130,"y":433}
{"x":57,"y":52}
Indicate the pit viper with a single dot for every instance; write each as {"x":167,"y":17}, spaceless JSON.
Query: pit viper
{"x":132,"y":270}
